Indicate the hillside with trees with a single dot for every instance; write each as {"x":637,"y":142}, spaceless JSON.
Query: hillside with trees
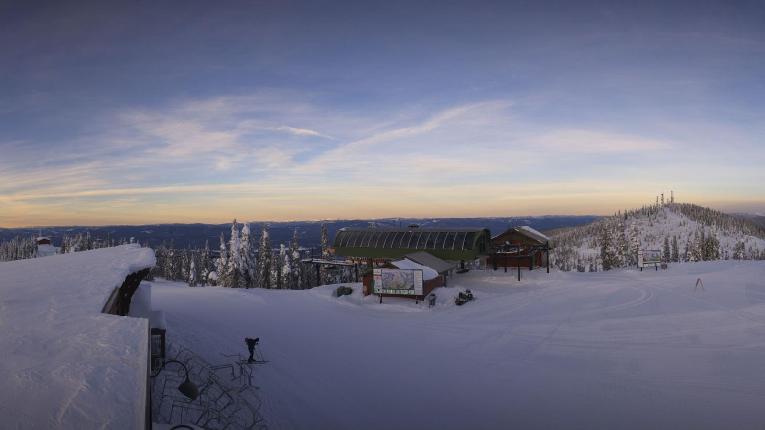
{"x":682,"y":232}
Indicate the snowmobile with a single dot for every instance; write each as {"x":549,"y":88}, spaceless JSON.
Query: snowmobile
{"x":463,"y":298}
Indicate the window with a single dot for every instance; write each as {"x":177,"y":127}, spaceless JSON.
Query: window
{"x":388,"y":241}
{"x":375,"y":239}
{"x":431,"y":240}
{"x":421,"y":240}
{"x":413,"y":238}
{"x":458,"y":240}
{"x":405,"y":238}
{"x":396,"y":236}
{"x":449,"y":240}
{"x":469,"y":239}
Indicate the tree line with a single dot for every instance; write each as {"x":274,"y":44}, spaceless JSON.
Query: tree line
{"x":242,"y":261}
{"x":21,"y":248}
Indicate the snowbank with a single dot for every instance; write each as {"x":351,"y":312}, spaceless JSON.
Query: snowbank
{"x":64,"y":364}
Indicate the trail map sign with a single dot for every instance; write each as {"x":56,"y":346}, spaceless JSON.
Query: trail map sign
{"x":649,"y":257}
{"x":405,"y":282}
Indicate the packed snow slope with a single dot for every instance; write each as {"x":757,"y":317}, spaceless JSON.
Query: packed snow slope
{"x":620,"y":349}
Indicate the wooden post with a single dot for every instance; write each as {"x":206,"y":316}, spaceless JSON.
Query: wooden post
{"x":519,"y":271}
{"x":547,"y":250}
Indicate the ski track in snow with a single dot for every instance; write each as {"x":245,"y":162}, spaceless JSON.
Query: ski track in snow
{"x":621,"y":349}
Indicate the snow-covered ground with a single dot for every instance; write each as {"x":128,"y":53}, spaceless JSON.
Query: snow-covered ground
{"x":619,"y":349}
{"x":63,"y":363}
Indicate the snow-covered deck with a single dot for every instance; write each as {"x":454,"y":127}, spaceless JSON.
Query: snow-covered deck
{"x":63,"y":363}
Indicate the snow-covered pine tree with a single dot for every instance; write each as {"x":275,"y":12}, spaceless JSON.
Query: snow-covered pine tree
{"x":184,"y":264}
{"x":711,"y":247}
{"x":287,"y":263}
{"x":623,"y":245}
{"x":609,"y":259}
{"x":204,"y":264}
{"x":739,"y":251}
{"x":192,"y":274}
{"x":296,"y":268}
{"x":675,"y":250}
{"x":695,"y":248}
{"x":666,"y":253}
{"x":222,"y":262}
{"x":247,"y":253}
{"x":277,"y":280}
{"x":233,"y":269}
{"x":264,"y":260}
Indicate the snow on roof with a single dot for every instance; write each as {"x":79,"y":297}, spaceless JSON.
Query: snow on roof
{"x":535,"y":234}
{"x":429,"y":260}
{"x":427,"y":272}
{"x":63,"y":363}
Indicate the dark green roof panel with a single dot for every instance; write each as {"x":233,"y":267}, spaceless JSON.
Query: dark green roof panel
{"x":450,"y":244}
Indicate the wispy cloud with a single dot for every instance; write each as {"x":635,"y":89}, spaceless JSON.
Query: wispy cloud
{"x":194,"y":158}
{"x":302,"y":132}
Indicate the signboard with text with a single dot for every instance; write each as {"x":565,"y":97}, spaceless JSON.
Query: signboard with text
{"x":649,"y":257}
{"x":404,"y":282}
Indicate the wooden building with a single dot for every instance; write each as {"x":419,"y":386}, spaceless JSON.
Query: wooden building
{"x":520,"y":247}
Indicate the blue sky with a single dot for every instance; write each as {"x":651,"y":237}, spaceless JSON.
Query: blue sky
{"x":170,"y":111}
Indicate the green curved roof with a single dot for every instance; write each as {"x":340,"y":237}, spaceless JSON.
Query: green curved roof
{"x":447,"y":244}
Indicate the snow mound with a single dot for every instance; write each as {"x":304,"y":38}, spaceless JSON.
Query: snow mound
{"x":63,"y":363}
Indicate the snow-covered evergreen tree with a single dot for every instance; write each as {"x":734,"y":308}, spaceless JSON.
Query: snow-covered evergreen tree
{"x":277,"y":278}
{"x":193,"y":280}
{"x":222,"y":262}
{"x":233,"y":271}
{"x":608,"y":254}
{"x":247,"y":253}
{"x":204,"y":263}
{"x":287,"y":263}
{"x":296,"y":266}
{"x":264,"y":260}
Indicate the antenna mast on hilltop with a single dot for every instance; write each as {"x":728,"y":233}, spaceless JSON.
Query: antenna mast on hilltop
{"x":672,"y":197}
{"x":662,"y":199}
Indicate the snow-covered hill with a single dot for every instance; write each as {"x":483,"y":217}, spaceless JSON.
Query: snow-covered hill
{"x":682,"y":232}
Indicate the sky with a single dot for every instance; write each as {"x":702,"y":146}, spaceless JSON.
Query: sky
{"x":141,"y":111}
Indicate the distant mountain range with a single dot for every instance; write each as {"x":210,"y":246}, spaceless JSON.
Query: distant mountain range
{"x":195,"y":235}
